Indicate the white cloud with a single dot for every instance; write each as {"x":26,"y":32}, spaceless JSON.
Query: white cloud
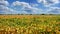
{"x":27,"y":8}
{"x":5,"y":3}
{"x":34,"y":5}
{"x":53,"y":10}
{"x":6,"y":10}
{"x":1,"y":0}
{"x":33,"y":10}
{"x":48,"y":2}
{"x":49,"y":5}
{"x":24,"y":4}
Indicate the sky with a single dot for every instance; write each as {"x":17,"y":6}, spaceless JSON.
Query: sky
{"x":29,"y":6}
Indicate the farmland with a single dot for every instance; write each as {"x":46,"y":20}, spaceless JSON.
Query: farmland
{"x":29,"y":24}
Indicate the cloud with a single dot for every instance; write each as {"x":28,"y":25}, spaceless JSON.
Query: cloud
{"x":4,"y":9}
{"x":2,"y":0}
{"x":33,"y":10}
{"x":53,"y":10}
{"x":27,"y":7}
{"x":24,"y":4}
{"x":51,"y":5}
{"x":5,"y":3}
{"x":48,"y":2}
{"x":34,"y":5}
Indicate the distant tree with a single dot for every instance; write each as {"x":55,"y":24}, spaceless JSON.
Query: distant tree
{"x":30,"y":14}
{"x":42,"y":14}
{"x":50,"y":14}
{"x":21,"y":14}
{"x":18,"y":14}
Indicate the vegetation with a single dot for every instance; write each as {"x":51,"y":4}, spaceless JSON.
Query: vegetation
{"x":29,"y":24}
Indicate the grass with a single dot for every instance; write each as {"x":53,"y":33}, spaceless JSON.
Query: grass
{"x":29,"y":24}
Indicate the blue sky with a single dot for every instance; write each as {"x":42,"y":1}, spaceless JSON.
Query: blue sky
{"x":29,"y":6}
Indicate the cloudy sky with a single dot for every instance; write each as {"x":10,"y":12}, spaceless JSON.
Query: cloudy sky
{"x":29,"y":6}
